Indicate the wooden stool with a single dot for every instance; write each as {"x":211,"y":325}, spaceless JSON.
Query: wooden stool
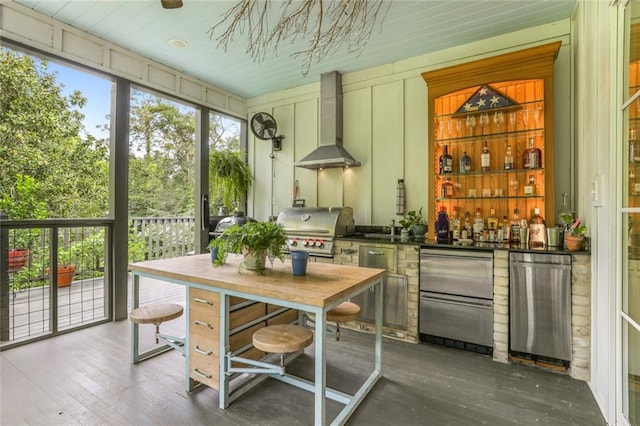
{"x":282,"y":339}
{"x":156,"y":314}
{"x":346,"y":311}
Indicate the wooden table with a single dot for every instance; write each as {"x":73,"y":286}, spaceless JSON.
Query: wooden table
{"x":323,"y":288}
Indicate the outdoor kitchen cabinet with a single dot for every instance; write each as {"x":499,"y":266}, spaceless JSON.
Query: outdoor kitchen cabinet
{"x":498,"y":102}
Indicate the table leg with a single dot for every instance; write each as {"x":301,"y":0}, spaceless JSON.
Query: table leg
{"x":320,"y":367}
{"x":135,"y":301}
{"x":379,"y":312}
{"x":223,"y":392}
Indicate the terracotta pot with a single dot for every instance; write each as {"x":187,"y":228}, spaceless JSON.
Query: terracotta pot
{"x":574,"y":242}
{"x":65,"y":275}
{"x":17,"y":259}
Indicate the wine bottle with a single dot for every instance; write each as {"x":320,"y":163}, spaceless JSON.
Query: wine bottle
{"x":446,"y":161}
{"x":465,"y":163}
{"x":478,"y":226}
{"x":515,"y":227}
{"x":485,"y":158}
{"x":508,"y":159}
{"x":532,"y":156}
{"x":442,"y":226}
{"x":537,"y":230}
{"x":454,"y":223}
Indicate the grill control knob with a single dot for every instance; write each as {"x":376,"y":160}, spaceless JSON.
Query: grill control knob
{"x":320,"y":243}
{"x":306,"y":243}
{"x":293,"y":242}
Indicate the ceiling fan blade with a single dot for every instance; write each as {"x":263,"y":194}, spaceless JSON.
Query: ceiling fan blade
{"x":171,"y":4}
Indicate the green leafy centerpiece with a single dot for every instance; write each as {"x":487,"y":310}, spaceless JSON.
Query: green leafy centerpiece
{"x":255,"y":240}
{"x":416,"y":222}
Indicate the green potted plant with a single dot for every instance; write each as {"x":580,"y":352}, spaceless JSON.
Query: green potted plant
{"x":230,"y":177}
{"x":255,"y":240}
{"x":574,"y":234}
{"x":416,"y":222}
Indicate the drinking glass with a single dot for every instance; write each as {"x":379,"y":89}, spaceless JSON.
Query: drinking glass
{"x":471,"y":123}
{"x":498,"y":118}
{"x":484,"y":120}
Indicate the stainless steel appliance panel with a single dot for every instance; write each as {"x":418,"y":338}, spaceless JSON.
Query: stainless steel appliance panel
{"x":377,"y":257}
{"x":395,"y":303}
{"x":540,"y":304}
{"x":458,"y":272}
{"x":456,"y":317}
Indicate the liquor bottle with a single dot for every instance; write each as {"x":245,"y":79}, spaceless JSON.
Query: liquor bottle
{"x":515,"y":227}
{"x":454,"y":223}
{"x":465,"y":163}
{"x":446,"y":190}
{"x":506,"y":230}
{"x":485,"y":158}
{"x":537,"y":230}
{"x":478,"y":226}
{"x":508,"y":159}
{"x":532,"y":156}
{"x":531,"y":189}
{"x":492,"y":224}
{"x":446,"y":161}
{"x":467,"y":228}
{"x":442,"y":226}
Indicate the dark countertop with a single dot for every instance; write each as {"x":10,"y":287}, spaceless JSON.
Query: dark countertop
{"x":377,"y":238}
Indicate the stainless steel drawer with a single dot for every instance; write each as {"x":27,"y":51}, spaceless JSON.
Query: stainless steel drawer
{"x":459,"y":318}
{"x":458,"y":272}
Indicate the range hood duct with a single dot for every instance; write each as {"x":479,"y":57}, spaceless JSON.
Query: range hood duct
{"x":330,"y":153}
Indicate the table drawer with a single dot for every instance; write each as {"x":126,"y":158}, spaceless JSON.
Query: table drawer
{"x":209,"y":299}
{"x":205,"y":369}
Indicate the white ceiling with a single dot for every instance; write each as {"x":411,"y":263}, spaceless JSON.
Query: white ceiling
{"x":411,"y":28}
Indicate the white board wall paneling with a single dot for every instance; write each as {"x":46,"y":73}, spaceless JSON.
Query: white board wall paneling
{"x":416,"y":178}
{"x":24,"y":25}
{"x":330,"y":187}
{"x":563,"y":140}
{"x":304,"y":140}
{"x":357,"y":135}
{"x":387,"y":132}
{"x":283,"y":160}
{"x":261,"y":188}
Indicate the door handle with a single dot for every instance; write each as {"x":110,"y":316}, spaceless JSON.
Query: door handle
{"x":204,"y":210}
{"x":375,"y":253}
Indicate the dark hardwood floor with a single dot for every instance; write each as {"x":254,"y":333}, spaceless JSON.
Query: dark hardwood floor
{"x":85,"y":378}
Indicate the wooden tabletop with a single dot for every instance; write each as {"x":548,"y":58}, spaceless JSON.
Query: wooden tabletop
{"x":323,"y":284}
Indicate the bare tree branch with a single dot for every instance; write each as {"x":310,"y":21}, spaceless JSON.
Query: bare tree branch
{"x":325,"y":27}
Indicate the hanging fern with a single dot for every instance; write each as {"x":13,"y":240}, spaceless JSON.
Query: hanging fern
{"x":230,"y":177}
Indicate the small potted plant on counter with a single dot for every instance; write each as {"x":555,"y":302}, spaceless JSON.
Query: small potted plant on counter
{"x":574,"y":235}
{"x":255,"y":240}
{"x":416,"y":222}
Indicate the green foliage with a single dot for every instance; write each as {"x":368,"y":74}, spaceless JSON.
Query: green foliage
{"x":574,"y":227}
{"x":413,"y":218}
{"x":252,"y":236}
{"x":40,"y":132}
{"x":23,"y":203}
{"x":230,"y":177}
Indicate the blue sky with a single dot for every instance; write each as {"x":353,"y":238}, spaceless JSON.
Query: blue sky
{"x":97,"y":90}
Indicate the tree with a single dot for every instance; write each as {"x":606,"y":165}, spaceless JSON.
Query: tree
{"x":40,"y":132}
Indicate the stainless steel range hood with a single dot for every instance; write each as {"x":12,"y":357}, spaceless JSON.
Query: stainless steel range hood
{"x":330,"y":153}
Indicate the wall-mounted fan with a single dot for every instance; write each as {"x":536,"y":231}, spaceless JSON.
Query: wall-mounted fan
{"x":264,"y":127}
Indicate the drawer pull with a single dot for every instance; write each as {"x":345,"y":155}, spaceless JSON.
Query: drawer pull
{"x":201,"y":374}
{"x":206,"y":302}
{"x":200,"y":351}
{"x":206,"y":324}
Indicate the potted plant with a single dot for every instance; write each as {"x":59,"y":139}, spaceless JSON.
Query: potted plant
{"x":22,"y":203}
{"x":255,"y":240}
{"x":230,"y":178}
{"x":416,"y":222}
{"x":574,"y":234}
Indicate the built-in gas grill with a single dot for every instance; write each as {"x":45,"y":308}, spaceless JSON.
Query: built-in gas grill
{"x":313,"y":229}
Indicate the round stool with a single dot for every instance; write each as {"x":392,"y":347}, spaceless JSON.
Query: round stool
{"x":282,"y":339}
{"x":156,"y":314}
{"x":346,"y":311}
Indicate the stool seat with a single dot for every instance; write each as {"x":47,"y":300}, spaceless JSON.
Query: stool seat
{"x":346,"y":311}
{"x":156,"y":313}
{"x":282,"y":338}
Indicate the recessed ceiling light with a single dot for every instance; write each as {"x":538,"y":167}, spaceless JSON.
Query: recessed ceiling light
{"x":179,"y":43}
